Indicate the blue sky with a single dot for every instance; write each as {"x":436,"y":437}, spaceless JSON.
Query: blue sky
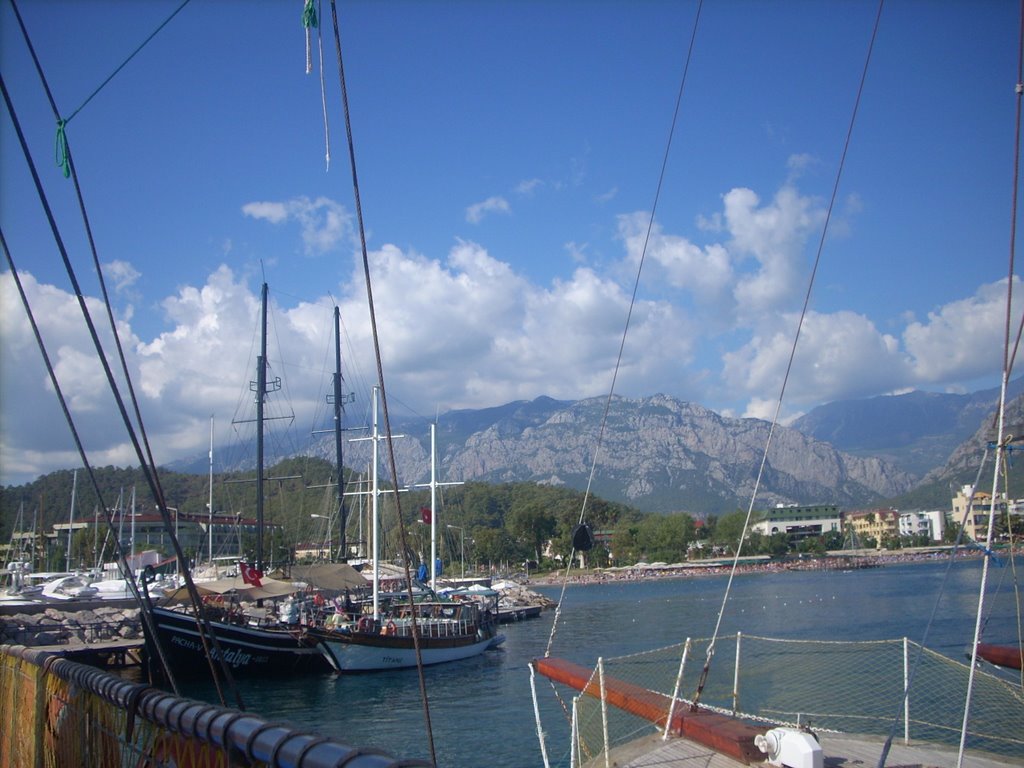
{"x":508,"y":157}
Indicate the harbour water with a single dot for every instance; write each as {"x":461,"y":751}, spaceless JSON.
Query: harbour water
{"x":481,"y":709}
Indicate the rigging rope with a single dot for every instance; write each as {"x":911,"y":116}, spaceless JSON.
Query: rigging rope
{"x":144,"y":451}
{"x":310,"y":20}
{"x":380,"y":376}
{"x":63,"y":158}
{"x":629,"y":316}
{"x":1001,"y":411}
{"x":792,"y":355}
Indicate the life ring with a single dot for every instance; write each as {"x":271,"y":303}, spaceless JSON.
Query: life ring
{"x":365,"y":624}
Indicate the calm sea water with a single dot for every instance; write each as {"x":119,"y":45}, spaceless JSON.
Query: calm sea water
{"x":481,"y":709}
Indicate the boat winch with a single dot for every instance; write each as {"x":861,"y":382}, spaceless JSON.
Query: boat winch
{"x":790,"y":747}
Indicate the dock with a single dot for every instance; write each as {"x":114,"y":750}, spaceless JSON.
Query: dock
{"x":105,"y":654}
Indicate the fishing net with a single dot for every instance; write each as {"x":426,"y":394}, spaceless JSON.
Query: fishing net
{"x":846,"y":687}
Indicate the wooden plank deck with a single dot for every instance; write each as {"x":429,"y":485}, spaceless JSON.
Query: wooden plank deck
{"x":107,"y":653}
{"x":840,"y":751}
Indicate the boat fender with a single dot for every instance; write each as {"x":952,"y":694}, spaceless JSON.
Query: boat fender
{"x":365,"y":624}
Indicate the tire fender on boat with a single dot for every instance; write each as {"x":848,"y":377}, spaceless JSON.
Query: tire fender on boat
{"x":365,"y":624}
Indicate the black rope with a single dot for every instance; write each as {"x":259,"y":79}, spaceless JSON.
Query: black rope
{"x":147,"y":469}
{"x":380,"y":380}
{"x":122,"y":558}
{"x":792,"y":351}
{"x":629,"y":316}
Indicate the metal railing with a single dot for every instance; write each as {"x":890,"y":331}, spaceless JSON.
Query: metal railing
{"x":61,"y":713}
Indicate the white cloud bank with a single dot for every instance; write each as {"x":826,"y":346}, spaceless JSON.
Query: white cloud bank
{"x":714,"y":323}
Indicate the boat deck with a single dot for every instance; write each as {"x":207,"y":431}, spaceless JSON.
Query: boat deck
{"x":841,"y":751}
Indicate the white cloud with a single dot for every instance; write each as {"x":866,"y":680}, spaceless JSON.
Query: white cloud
{"x":123,"y":274}
{"x":840,"y":355}
{"x":468,"y":330}
{"x":961,"y":340}
{"x":774,"y":235}
{"x":323,"y":222}
{"x":528,"y":186}
{"x":476,"y":212}
{"x":704,"y":273}
{"x":275,"y":213}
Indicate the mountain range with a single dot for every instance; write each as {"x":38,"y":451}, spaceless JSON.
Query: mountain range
{"x":661,"y":454}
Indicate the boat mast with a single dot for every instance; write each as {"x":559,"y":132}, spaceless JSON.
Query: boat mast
{"x":339,"y":409}
{"x":374,"y":493}
{"x":261,"y":389}
{"x":71,"y":519}
{"x":209,"y":528}
{"x":434,"y":485}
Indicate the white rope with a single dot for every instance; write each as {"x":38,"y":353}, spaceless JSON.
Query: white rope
{"x":536,"y":716}
{"x":675,"y":691}
{"x":323,"y":90}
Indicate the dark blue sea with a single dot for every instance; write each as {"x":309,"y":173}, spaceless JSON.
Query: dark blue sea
{"x":481,"y":709}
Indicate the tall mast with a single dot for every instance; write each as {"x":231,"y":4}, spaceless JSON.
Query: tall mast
{"x":209,"y":526}
{"x":434,"y":485}
{"x":374,"y":493}
{"x":261,"y":392}
{"x":71,"y":519}
{"x":339,"y":402}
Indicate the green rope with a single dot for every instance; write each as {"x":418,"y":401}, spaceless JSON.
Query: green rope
{"x":62,"y":150}
{"x":309,"y":15}
{"x":62,"y":142}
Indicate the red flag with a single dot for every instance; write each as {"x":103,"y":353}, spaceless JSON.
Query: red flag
{"x":425,"y":515}
{"x":250,"y":575}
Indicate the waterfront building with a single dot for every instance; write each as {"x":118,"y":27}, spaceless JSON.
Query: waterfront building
{"x":799,"y":522}
{"x":975,"y":524}
{"x":880,"y":525}
{"x":930,"y":523}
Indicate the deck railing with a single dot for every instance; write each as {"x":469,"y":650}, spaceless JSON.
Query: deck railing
{"x":59,"y":713}
{"x":850,"y":687}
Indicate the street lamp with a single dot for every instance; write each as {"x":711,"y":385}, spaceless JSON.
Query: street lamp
{"x":330,"y":532}
{"x":462,"y":546}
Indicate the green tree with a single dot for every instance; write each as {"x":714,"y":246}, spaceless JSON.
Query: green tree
{"x":532,"y":525}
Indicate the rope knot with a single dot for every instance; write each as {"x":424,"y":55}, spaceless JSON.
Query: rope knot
{"x":62,"y":149}
{"x":309,"y":18}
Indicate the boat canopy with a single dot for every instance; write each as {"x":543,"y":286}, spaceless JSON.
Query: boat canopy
{"x":330,"y":576}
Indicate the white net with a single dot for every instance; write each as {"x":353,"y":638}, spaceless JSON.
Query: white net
{"x":848,"y":687}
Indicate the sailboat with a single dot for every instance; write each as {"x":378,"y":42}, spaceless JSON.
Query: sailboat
{"x":389,"y":636}
{"x":252,"y":643}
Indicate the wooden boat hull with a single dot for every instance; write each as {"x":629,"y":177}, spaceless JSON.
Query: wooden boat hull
{"x":519,"y":613}
{"x":249,"y":651}
{"x":1008,"y":656}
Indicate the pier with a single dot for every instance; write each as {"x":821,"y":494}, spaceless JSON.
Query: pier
{"x":104,"y":654}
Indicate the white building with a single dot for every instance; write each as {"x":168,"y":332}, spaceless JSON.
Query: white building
{"x":799,"y":522}
{"x":931,"y":523}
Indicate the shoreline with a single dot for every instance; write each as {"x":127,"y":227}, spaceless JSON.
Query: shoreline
{"x":831,"y":562}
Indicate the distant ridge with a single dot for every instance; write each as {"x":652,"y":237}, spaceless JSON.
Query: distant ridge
{"x":664,"y":454}
{"x":917,"y":431}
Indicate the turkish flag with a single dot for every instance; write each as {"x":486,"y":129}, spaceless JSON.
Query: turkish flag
{"x":250,"y":575}
{"x":425,"y":515}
